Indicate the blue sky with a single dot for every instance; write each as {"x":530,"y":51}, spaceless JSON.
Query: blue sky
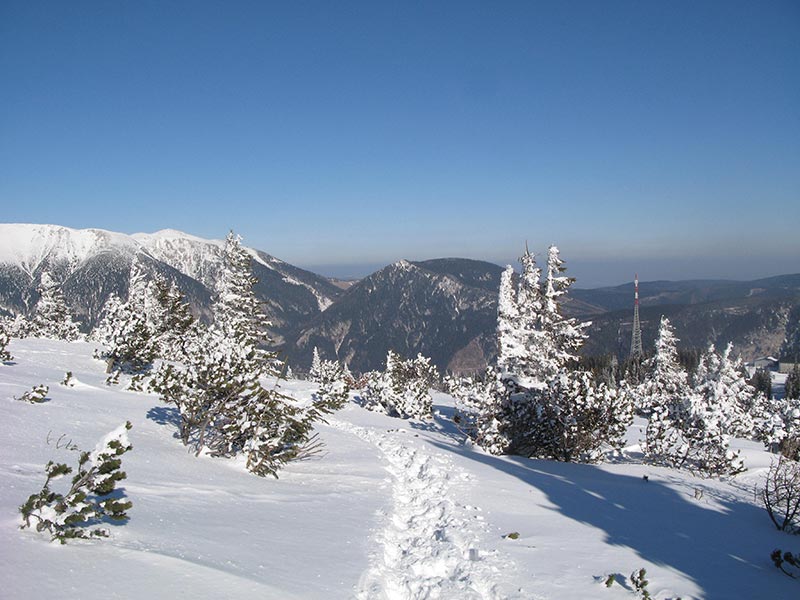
{"x":662,"y":137}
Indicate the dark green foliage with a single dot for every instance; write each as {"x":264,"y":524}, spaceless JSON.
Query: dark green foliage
{"x":69,"y":380}
{"x":793,"y":382}
{"x":35,"y":395}
{"x":5,"y":338}
{"x":640,"y":583}
{"x":787,"y":562}
{"x":689,"y":359}
{"x":217,"y":385}
{"x":334,"y":387}
{"x":90,"y":498}
{"x":403,"y":390}
{"x":762,"y":382}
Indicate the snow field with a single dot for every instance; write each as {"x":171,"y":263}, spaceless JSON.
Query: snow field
{"x":430,"y":546}
{"x":392,"y":510}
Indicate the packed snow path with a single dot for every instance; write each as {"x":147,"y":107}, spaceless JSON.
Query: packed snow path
{"x":429,"y":546}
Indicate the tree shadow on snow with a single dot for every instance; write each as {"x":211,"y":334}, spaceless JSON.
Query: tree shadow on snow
{"x":165,"y":415}
{"x":725,"y":549}
{"x":443,"y":423}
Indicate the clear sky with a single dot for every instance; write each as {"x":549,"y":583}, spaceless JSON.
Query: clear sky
{"x":661,"y":137}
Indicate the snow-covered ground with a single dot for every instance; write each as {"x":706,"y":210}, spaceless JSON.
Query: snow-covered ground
{"x":393,"y":509}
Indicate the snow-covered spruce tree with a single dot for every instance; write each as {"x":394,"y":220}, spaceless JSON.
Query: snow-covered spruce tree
{"x":225,"y":410}
{"x":792,"y":385}
{"x":333,"y":380}
{"x":537,"y":403}
{"x":720,"y":381}
{"x":481,"y":402}
{"x":51,"y":316}
{"x":90,"y":498}
{"x":126,"y":329}
{"x":777,"y":424}
{"x":403,"y":389}
{"x":316,"y":366}
{"x":169,"y":317}
{"x":720,"y":410}
{"x":692,"y":426}
{"x":665,"y":395}
{"x":5,"y":339}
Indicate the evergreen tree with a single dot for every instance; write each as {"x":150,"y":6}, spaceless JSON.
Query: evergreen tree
{"x":536,"y":403}
{"x":665,"y":396}
{"x":51,"y":316}
{"x":91,"y":497}
{"x":566,"y":335}
{"x":725,"y":392}
{"x":693,"y":426}
{"x":315,"y":373}
{"x":403,"y":389}
{"x":792,"y":386}
{"x":334,"y":387}
{"x":170,"y":317}
{"x":225,"y":409}
{"x":5,"y":339}
{"x":762,"y":382}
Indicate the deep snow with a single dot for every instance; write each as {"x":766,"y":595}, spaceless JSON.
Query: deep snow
{"x":393,"y":509}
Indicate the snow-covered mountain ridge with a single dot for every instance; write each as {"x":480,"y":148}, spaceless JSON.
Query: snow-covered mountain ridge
{"x":93,"y":263}
{"x":30,"y":246}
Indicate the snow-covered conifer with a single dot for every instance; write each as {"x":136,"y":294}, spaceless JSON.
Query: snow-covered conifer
{"x":481,"y":409}
{"x":792,"y":385}
{"x":90,"y":498}
{"x":665,"y":394}
{"x":225,"y":408}
{"x":566,"y":335}
{"x":535,"y":403}
{"x":36,"y":395}
{"x":169,"y":316}
{"x":727,"y":395}
{"x":692,"y":426}
{"x":5,"y":339}
{"x":403,"y":389}
{"x":334,"y":389}
{"x":238,"y":313}
{"x":316,"y":366}
{"x":51,"y":316}
{"x":126,"y":333}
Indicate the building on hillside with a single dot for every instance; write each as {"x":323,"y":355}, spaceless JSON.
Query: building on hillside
{"x":768,"y":363}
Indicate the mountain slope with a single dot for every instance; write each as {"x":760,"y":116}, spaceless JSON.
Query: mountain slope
{"x":93,"y":264}
{"x":445,"y":309}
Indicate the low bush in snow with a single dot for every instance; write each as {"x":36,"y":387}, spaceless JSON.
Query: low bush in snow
{"x":403,"y":389}
{"x":91,"y":497}
{"x":787,"y":562}
{"x":35,"y":395}
{"x":333,"y":380}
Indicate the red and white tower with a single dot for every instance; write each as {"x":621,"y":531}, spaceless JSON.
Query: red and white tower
{"x":636,"y":335}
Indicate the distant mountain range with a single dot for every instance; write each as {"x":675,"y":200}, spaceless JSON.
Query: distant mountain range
{"x":92,"y":264}
{"x":443,"y":308}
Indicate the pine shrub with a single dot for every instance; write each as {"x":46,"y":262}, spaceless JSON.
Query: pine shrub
{"x":92,"y":495}
{"x":35,"y":395}
{"x":403,"y":389}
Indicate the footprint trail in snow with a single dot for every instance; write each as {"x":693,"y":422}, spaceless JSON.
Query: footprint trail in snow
{"x":429,"y":546}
